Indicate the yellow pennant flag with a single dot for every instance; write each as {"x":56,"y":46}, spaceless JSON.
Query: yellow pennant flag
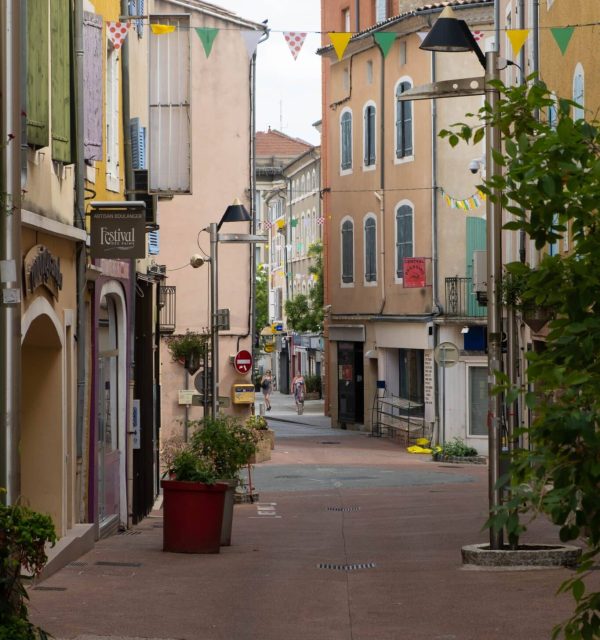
{"x":340,"y":42}
{"x":517,"y":38}
{"x":160,"y":29}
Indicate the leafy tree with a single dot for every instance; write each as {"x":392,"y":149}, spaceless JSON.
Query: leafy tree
{"x":305,"y":313}
{"x":262,"y":298}
{"x":551,"y":186}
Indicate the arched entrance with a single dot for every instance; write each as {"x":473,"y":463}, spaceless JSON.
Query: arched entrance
{"x":43,"y":446}
{"x":111,"y":408}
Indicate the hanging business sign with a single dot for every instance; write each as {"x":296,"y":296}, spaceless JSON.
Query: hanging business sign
{"x":415,"y":273}
{"x":118,"y":233}
{"x":41,"y":268}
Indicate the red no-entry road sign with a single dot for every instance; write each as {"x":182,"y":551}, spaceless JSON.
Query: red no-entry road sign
{"x":242,"y":361}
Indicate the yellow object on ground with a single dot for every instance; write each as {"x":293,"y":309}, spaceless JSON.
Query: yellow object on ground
{"x":415,"y":448}
{"x":422,"y":442}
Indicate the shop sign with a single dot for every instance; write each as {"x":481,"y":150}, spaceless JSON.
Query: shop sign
{"x":42,"y":269}
{"x":414,"y":273}
{"x":118,"y":233}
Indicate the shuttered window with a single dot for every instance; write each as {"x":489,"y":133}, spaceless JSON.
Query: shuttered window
{"x":92,"y":78}
{"x":346,"y":140}
{"x":153,"y":243}
{"x":404,"y":127}
{"x":370,"y":250}
{"x":578,"y":93}
{"x":60,"y":33}
{"x":37,"y":74}
{"x":404,"y":237}
{"x":347,"y":252}
{"x":138,"y":144}
{"x":369,"y":136}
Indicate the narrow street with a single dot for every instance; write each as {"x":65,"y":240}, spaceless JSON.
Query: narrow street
{"x":352,"y":539}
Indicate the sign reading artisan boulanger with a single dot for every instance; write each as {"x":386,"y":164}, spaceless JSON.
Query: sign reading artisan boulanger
{"x":118,"y":233}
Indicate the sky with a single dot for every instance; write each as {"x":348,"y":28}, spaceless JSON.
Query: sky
{"x":288,"y":91}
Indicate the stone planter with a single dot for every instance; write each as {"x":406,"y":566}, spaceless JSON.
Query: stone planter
{"x":266,"y":442}
{"x":312,"y":395}
{"x":527,"y":556}
{"x":461,"y":459}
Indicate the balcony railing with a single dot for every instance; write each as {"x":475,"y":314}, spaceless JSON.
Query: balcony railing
{"x":166,"y":303}
{"x":460,"y":299}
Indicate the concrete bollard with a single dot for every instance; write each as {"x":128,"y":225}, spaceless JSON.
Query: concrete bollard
{"x":261,"y":408}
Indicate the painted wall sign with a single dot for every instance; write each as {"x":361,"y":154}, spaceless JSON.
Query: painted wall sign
{"x":414,"y":273}
{"x":41,"y":268}
{"x":118,"y":233}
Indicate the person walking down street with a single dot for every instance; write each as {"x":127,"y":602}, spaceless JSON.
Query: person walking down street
{"x":266,"y":384}
{"x":298,"y":388}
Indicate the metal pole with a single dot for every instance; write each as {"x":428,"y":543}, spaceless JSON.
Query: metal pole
{"x":10,"y":249}
{"x":214,"y":327}
{"x":494,"y":307}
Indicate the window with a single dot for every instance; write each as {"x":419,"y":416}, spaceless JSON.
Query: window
{"x":369,"y":141}
{"x":403,"y":53}
{"x":370,"y":249}
{"x":346,"y":20}
{"x":346,"y":140}
{"x":380,"y":10}
{"x":411,"y":381}
{"x":347,"y":252}
{"x":112,"y":118}
{"x":404,"y":133}
{"x":369,"y":72}
{"x":578,"y":92}
{"x":404,"y":237}
{"x":553,"y":246}
{"x":477,"y":400}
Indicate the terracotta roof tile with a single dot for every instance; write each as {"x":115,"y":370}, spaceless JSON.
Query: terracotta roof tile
{"x":275,"y":143}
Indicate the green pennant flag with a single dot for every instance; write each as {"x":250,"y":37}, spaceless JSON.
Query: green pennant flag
{"x":562,"y":35}
{"x":385,"y":41}
{"x":294,"y":222}
{"x":207,"y":36}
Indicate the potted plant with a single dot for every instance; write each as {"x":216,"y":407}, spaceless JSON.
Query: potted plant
{"x":228,"y":445}
{"x":24,"y":535}
{"x":193,"y":503}
{"x":265,"y":438}
{"x":313,"y":387}
{"x":189,"y":349}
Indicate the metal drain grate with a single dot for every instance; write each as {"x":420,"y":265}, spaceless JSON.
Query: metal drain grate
{"x":130,"y":532}
{"x":49,"y":588}
{"x":343,"y":508}
{"x":357,"y":566}
{"x":330,"y":442}
{"x":77,"y":564}
{"x":157,"y":525}
{"x":105,"y":563}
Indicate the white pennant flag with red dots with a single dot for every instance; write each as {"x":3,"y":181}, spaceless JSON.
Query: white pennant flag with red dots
{"x":117,"y":32}
{"x":295,"y":40}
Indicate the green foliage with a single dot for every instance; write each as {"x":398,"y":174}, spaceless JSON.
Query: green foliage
{"x":225,"y":443}
{"x":551,"y":186}
{"x":23,"y":536}
{"x":259,"y":423}
{"x":187,"y":466}
{"x":262,"y":298}
{"x":191,"y":342}
{"x":313,"y":384}
{"x":456,"y":448}
{"x":305,"y":313}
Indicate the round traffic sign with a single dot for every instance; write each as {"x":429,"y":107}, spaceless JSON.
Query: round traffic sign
{"x":446,"y":354}
{"x":242,"y":361}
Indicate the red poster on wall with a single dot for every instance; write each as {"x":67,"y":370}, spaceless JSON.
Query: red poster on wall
{"x":415,"y":273}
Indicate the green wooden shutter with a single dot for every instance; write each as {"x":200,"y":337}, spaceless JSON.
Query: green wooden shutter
{"x":475,"y":242}
{"x":60,"y":23}
{"x":37,"y":73}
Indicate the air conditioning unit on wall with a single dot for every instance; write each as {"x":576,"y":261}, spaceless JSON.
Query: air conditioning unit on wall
{"x":157,"y":269}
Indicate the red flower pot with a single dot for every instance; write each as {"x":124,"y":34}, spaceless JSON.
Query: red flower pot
{"x":193,"y":516}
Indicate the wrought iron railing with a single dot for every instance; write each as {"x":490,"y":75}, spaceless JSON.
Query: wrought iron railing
{"x":461,"y":301}
{"x":166,"y":303}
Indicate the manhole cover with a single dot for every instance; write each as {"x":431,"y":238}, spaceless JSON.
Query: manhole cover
{"x":105,"y":563}
{"x":356,"y":566}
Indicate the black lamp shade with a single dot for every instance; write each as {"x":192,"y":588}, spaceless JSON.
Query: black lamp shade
{"x":449,"y":34}
{"x":235,"y":212}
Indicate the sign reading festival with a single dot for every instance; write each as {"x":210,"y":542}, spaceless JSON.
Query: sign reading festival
{"x":118,"y":233}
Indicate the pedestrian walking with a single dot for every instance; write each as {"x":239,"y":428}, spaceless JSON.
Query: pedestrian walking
{"x":298,"y":388}
{"x":266,"y":384}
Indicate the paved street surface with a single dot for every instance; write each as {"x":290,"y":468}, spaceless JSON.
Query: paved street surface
{"x":352,"y":539}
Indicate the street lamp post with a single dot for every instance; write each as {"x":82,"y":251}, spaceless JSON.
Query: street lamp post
{"x":449,"y":34}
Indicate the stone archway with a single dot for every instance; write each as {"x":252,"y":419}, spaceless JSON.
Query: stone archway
{"x":43,"y":440}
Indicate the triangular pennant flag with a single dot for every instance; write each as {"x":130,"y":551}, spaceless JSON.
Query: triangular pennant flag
{"x":251,"y":39}
{"x":422,"y":34}
{"x":295,"y":40}
{"x":340,"y":42}
{"x":478,"y":35}
{"x":161,"y":29}
{"x":207,"y":36}
{"x":385,"y":41}
{"x":117,"y":32}
{"x":517,"y":39}
{"x":562,"y":35}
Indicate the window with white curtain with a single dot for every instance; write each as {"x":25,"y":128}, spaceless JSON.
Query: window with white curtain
{"x":578,"y":92}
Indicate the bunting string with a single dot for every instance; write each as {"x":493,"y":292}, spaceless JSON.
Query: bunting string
{"x":466,"y":204}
